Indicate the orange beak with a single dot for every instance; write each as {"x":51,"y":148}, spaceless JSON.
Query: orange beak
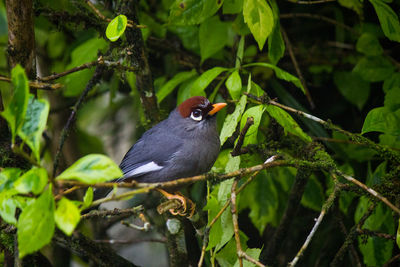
{"x":216,"y":107}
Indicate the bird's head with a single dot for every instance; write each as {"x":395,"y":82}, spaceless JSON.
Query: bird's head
{"x":198,"y":108}
{"x":198,"y":112}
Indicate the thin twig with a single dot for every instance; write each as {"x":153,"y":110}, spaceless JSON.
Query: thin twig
{"x":99,"y":61}
{"x":64,"y":73}
{"x":146,"y":226}
{"x":104,"y":213}
{"x":96,"y":77}
{"x":392,"y":260}
{"x":240,"y":253}
{"x":133,"y":241}
{"x":237,"y":149}
{"x":219,"y":214}
{"x":235,"y":222}
{"x":375,"y":233}
{"x":145,"y":187}
{"x":351,"y":237}
{"x":250,"y":259}
{"x":36,"y":85}
{"x":325,"y":208}
{"x":297,"y":68}
{"x":386,"y":152}
{"x":369,"y":190}
{"x":318,"y":17}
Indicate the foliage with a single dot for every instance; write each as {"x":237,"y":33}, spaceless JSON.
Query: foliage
{"x":243,"y":52}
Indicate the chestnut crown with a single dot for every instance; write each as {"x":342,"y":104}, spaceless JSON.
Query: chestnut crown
{"x":198,"y":107}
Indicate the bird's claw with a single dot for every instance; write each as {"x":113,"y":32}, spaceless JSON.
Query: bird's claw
{"x":182,"y":210}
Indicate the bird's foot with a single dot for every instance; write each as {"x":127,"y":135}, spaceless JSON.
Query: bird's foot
{"x":185,"y":202}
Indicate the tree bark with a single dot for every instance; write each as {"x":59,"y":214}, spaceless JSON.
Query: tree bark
{"x":137,"y":57}
{"x":21,"y":35}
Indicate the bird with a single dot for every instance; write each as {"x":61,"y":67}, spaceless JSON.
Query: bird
{"x":183,"y":145}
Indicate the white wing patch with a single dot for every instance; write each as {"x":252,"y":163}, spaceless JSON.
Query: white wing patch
{"x":148,"y":167}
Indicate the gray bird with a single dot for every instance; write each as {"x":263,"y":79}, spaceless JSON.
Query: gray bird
{"x":183,"y":145}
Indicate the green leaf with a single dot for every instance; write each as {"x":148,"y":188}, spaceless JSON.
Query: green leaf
{"x":227,"y":256}
{"x":184,"y":91}
{"x":7,"y":178}
{"x":239,"y":52}
{"x":251,"y":135}
{"x":116,"y":28}
{"x":276,"y":45}
{"x":83,"y":53}
{"x":313,"y":196}
{"x":14,"y":112}
{"x":191,"y":12}
{"x":34,"y":124}
{"x":36,"y":224}
{"x":392,"y":82}
{"x":7,"y":208}
{"x":356,"y":5}
{"x":261,"y":197}
{"x":232,"y":120}
{"x":232,"y":6}
{"x":287,"y":122}
{"x":234,"y":85}
{"x":392,"y":99}
{"x":388,"y":19}
{"x":382,"y":120}
{"x":168,"y":88}
{"x":352,"y":87}
{"x":91,"y":169}
{"x":374,"y":69}
{"x":259,"y":17}
{"x":376,"y":251}
{"x":33,"y":181}
{"x":67,"y":216}
{"x":369,"y":45}
{"x":213,"y":36}
{"x":226,"y":217}
{"x":222,"y":230}
{"x":200,"y":84}
{"x":280,"y":73}
{"x":88,"y":198}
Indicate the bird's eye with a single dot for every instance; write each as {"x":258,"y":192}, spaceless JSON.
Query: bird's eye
{"x":196,"y":115}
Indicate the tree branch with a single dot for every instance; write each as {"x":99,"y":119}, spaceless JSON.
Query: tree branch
{"x":328,"y":203}
{"x":136,"y":56}
{"x":92,"y":82}
{"x":385,"y":152}
{"x":21,"y":35}
{"x":297,"y":68}
{"x":237,"y":149}
{"x":99,"y":254}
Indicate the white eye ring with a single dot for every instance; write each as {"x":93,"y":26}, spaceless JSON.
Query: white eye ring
{"x":195,"y":116}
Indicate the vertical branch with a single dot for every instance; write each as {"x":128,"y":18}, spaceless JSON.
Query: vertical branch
{"x":272,"y":246}
{"x":137,"y":57}
{"x":64,"y":134}
{"x":176,"y":243}
{"x":297,"y":68}
{"x":351,"y":237}
{"x":235,"y":222}
{"x":240,"y":253}
{"x":21,"y":35}
{"x":328,"y":203}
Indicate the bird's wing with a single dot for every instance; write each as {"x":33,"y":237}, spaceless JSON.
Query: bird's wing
{"x":150,"y":153}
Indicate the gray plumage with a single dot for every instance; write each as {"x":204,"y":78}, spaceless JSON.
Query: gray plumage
{"x":185,"y":144}
{"x":181,"y":146}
